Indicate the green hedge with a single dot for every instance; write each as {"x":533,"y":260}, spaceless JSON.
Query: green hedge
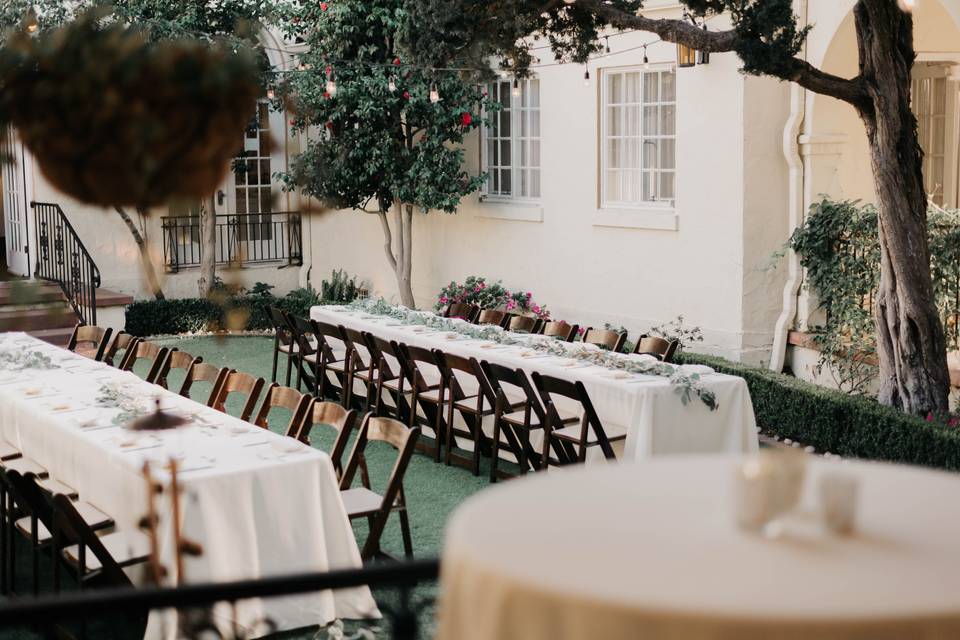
{"x":191,"y":315}
{"x":830,"y":420}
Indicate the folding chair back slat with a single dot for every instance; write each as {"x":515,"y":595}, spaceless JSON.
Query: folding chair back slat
{"x":605,"y":338}
{"x":90,"y":341}
{"x":462,"y":310}
{"x":331,"y":414}
{"x":153,"y":353}
{"x":124,"y":341}
{"x":657,"y":347}
{"x":205,"y":372}
{"x":549,"y":387}
{"x":494,"y":317}
{"x":244,"y":384}
{"x":523,"y":324}
{"x":179,"y":361}
{"x":560,"y":330}
{"x":285,"y":398}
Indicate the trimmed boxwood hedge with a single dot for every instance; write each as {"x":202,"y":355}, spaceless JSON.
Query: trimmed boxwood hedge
{"x":192,"y":315}
{"x":833,"y":421}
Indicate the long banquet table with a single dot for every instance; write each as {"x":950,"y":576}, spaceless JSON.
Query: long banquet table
{"x":647,"y":406}
{"x":650,"y":550}
{"x":258,"y":503}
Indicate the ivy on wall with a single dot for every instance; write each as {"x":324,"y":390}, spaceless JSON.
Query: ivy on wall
{"x":839,"y":248}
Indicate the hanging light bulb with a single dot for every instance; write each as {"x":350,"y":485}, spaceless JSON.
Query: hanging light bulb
{"x":606,"y":47}
{"x":434,"y":94}
{"x":516,"y":87}
{"x":646,"y":60}
{"x":331,"y":85}
{"x":271,"y":94}
{"x":30,"y":22}
{"x":586,"y":78}
{"x":392,"y":84}
{"x":908,"y":5}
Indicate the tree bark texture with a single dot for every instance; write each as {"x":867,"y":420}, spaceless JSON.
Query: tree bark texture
{"x":146,"y":261}
{"x":208,"y":247}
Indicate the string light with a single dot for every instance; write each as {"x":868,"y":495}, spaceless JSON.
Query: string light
{"x":434,"y":94}
{"x":270,"y":94}
{"x":586,"y":78}
{"x":606,"y":46}
{"x":392,"y":84}
{"x":516,"y":87}
{"x":30,"y":23}
{"x":908,"y":5}
{"x":331,"y":84}
{"x":646,"y":60}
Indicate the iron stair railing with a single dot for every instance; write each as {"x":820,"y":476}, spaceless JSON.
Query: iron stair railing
{"x":62,"y":258}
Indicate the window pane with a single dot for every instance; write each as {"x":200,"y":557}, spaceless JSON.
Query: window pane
{"x":615,"y":91}
{"x":633,"y":121}
{"x":667,"y":154}
{"x":666,"y":186}
{"x":650,"y":154}
{"x":505,"y":117}
{"x":524,"y":183}
{"x":535,"y":123}
{"x":939,"y":106}
{"x":613,"y":154}
{"x":524,"y":154}
{"x":535,"y":183}
{"x":505,"y":182}
{"x":648,"y":187}
{"x":266,"y":200}
{"x":241,"y":201}
{"x":939,"y":134}
{"x":505,"y":153}
{"x":668,"y":120}
{"x":535,"y":153}
{"x":533,"y":87}
{"x":633,"y":153}
{"x":650,"y":117}
{"x":613,"y":121}
{"x":631,"y":186}
{"x":265,"y":172}
{"x":651,"y":91}
{"x":492,"y":158}
{"x":633,"y":87}
{"x":668,"y":86}
{"x":495,"y":177}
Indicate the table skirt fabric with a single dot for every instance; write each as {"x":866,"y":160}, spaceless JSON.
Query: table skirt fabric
{"x":258,"y":511}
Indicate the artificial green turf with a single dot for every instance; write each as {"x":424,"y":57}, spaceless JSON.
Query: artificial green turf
{"x":432,"y":490}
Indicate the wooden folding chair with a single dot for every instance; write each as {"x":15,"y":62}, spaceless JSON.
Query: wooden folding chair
{"x":205,"y":372}
{"x":244,"y":384}
{"x":90,"y":341}
{"x":121,"y":341}
{"x":389,"y":379}
{"x":306,"y":357}
{"x":357,"y":367}
{"x":415,"y":362}
{"x":462,"y":310}
{"x":605,"y":338}
{"x":523,"y":324}
{"x":362,"y":502}
{"x":472,"y":407}
{"x":517,"y":412}
{"x":589,"y":432}
{"x":283,"y":342}
{"x":560,"y":330}
{"x":332,"y":415}
{"x":153,"y":353}
{"x":657,"y":347}
{"x":494,"y":317}
{"x":177,"y":361}
{"x":284,"y":398}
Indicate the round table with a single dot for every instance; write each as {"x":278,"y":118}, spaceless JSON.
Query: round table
{"x":650,"y":550}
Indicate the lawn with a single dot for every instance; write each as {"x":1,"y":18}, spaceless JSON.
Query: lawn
{"x":433,"y":491}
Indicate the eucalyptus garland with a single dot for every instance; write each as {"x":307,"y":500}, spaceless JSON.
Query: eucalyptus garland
{"x":115,"y":396}
{"x":685,"y":384}
{"x":20,"y":360}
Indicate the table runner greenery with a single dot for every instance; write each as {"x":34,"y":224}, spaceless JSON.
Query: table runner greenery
{"x":685,"y":384}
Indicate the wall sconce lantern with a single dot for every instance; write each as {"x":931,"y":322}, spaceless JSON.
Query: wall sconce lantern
{"x":686,"y":56}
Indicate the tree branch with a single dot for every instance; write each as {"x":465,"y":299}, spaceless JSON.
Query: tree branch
{"x":388,"y":239}
{"x":795,"y":69}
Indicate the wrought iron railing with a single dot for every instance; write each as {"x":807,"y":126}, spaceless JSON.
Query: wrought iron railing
{"x":240,"y":239}
{"x":62,"y":258}
{"x":394,"y":585}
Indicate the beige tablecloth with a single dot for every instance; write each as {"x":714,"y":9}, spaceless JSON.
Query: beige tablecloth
{"x":256,"y":507}
{"x":650,"y":551}
{"x":649,"y":407}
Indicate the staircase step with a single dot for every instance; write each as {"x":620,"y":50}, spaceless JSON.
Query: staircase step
{"x":57,"y":337}
{"x":36,"y":319}
{"x":27,"y":292}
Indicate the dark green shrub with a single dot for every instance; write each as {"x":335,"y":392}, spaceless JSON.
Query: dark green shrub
{"x":834,"y":421}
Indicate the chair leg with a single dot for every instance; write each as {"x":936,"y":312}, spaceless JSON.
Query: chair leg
{"x":477,"y":442}
{"x":4,"y":547}
{"x":276,"y":357}
{"x":35,"y":555}
{"x":545,"y":455}
{"x":289,"y":365}
{"x":495,"y":445}
{"x":405,"y":530}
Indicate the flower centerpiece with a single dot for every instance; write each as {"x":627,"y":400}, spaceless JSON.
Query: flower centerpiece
{"x":476,"y":290}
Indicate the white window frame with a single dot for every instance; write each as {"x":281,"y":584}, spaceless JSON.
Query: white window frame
{"x":932,"y":71}
{"x":668,"y":205}
{"x":517,"y":112}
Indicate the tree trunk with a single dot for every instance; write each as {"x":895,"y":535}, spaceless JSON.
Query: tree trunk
{"x":400,"y":259}
{"x":910,"y":337}
{"x":153,"y":281}
{"x":208,"y":247}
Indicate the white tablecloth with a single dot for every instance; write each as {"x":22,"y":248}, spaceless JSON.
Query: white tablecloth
{"x":651,"y":551}
{"x":656,"y":420}
{"x":256,"y":507}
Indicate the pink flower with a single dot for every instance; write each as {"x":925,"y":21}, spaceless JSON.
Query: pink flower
{"x":483,"y":285}
{"x":477,"y":288}
{"x":536,"y":308}
{"x":930,"y":417}
{"x":511,"y":305}
{"x":953,"y":422}
{"x":443,"y":299}
{"x":529,"y":295}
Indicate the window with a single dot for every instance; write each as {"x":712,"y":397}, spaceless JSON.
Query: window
{"x":253,"y":182}
{"x":511,"y":149}
{"x":639,"y":126}
{"x":932,"y":102}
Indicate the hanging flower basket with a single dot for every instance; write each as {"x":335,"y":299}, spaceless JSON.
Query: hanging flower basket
{"x":115,"y":120}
